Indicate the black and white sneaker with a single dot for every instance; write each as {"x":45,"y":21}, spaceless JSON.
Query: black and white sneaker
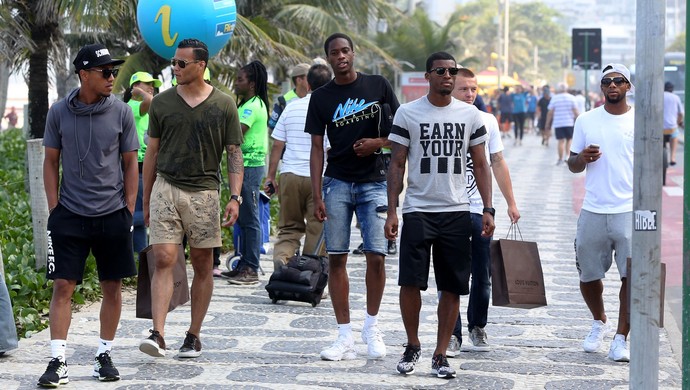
{"x":409,"y":358}
{"x":104,"y":369}
{"x":441,"y":368}
{"x":191,"y":347}
{"x":154,"y":345}
{"x":55,"y":375}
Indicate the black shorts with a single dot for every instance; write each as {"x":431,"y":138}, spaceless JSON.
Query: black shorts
{"x":71,"y":237}
{"x":448,"y":236}
{"x":506,"y":117}
{"x":564,"y":132}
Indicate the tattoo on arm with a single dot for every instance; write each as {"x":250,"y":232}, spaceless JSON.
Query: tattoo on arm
{"x":235,"y":160}
{"x":496,"y":157}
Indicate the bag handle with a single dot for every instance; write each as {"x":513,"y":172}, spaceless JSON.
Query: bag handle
{"x":514,"y":232}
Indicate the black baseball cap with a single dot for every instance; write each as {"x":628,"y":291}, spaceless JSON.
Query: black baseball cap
{"x":93,"y":55}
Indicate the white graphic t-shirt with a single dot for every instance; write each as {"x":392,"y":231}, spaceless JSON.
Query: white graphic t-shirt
{"x":438,"y":139}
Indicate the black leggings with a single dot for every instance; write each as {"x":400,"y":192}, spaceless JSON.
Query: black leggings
{"x":519,"y":119}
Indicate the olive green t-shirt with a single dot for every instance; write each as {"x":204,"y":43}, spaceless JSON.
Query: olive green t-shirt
{"x":192,"y":140}
{"x":253,"y":114}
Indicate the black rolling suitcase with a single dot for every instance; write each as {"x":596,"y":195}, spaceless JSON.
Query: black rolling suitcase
{"x":303,"y":279}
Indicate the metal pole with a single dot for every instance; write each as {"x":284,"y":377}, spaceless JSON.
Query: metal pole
{"x":498,"y":50}
{"x":686,"y":237}
{"x":506,"y":40}
{"x":645,"y":274}
{"x":587,"y":66}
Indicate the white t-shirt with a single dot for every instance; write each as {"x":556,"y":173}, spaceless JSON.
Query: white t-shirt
{"x":672,"y":107}
{"x":290,"y":129}
{"x":580,"y":103}
{"x":609,"y":180}
{"x":438,"y":141}
{"x":493,"y":145}
{"x":562,"y":105}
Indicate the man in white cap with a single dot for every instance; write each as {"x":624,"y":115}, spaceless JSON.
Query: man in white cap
{"x":602,"y":145}
{"x":298,"y":74}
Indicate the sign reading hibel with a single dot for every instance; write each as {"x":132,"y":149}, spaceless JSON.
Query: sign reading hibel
{"x":645,"y":220}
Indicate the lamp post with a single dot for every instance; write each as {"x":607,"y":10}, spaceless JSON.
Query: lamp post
{"x":398,"y":75}
{"x":497,"y":20}
{"x":506,"y":39}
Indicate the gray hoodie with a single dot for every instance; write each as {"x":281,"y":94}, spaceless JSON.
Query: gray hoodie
{"x":91,"y":138}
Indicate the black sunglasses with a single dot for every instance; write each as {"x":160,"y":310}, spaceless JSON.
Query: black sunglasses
{"x":182,"y":63}
{"x":106,"y":72}
{"x":606,"y":81}
{"x":441,"y":71}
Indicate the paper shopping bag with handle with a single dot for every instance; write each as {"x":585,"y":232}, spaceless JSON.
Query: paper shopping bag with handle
{"x":147,"y":265}
{"x":517,"y":279}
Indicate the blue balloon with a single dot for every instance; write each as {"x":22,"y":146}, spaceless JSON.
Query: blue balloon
{"x":164,"y":23}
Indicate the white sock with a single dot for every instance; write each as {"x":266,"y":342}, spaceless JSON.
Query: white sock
{"x":370,"y":321}
{"x":104,"y":346}
{"x":58,"y":348}
{"x":345,"y":330}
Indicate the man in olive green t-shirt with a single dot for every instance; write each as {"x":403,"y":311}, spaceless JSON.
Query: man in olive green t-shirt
{"x":190,"y":126}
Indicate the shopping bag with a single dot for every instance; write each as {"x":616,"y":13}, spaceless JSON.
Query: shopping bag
{"x":662,"y":291}
{"x":147,"y":265}
{"x":517,"y":279}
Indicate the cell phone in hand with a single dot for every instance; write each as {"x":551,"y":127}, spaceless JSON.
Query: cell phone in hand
{"x":594,"y":146}
{"x":271,"y":188}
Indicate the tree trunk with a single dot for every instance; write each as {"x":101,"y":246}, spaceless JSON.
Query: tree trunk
{"x":41,"y":35}
{"x":4,"y":84}
{"x":38,"y":83}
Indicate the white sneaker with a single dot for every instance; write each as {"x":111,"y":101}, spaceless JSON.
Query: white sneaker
{"x":453,"y":346}
{"x":619,"y":351}
{"x":373,"y":338}
{"x":595,"y":337}
{"x":342,"y":349}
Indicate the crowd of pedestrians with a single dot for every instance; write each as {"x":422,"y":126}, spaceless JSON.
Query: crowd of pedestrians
{"x":341,"y":145}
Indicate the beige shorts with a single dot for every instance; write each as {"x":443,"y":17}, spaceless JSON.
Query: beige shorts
{"x":175,"y":212}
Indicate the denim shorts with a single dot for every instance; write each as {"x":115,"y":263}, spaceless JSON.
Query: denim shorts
{"x":368,"y":200}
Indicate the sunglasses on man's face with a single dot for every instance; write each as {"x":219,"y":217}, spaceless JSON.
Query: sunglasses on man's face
{"x":441,"y":71}
{"x":606,"y":81}
{"x":181,"y":63}
{"x":106,"y":72}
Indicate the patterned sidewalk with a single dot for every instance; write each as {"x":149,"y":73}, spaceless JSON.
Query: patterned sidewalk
{"x":250,"y":343}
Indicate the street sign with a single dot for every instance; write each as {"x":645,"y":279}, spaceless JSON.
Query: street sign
{"x":586,"y":48}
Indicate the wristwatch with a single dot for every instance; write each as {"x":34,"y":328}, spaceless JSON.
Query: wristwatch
{"x":238,"y":198}
{"x":490,"y":210}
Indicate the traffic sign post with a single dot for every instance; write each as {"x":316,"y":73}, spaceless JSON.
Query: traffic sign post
{"x":586,"y":44}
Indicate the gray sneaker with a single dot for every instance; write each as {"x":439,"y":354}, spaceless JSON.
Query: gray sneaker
{"x":453,"y":346}
{"x":478,"y":340}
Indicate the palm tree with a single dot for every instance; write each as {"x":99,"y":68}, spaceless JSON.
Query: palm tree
{"x":33,"y":34}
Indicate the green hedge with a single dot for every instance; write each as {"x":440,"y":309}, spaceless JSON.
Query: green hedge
{"x":29,"y":289}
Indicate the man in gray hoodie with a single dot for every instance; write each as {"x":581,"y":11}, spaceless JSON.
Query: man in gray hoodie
{"x":91,"y":208}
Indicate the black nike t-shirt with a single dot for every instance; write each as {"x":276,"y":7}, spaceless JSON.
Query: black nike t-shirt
{"x":346,"y":113}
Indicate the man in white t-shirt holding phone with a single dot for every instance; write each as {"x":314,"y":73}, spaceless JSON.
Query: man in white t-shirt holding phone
{"x":603,"y":142}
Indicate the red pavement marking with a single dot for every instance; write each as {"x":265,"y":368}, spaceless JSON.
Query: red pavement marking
{"x":672,"y":232}
{"x":671,"y":226}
